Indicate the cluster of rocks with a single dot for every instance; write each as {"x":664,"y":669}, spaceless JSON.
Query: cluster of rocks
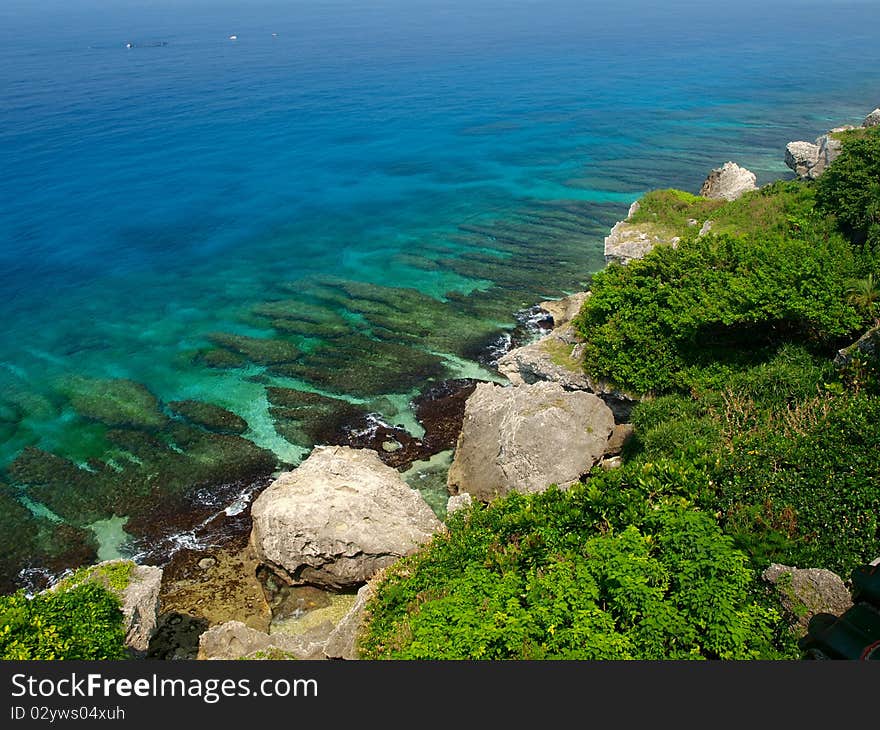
{"x":810,"y":159}
{"x":552,"y":425}
{"x":343,"y":516}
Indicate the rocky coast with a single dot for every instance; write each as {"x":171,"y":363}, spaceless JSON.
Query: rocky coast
{"x":292,"y":565}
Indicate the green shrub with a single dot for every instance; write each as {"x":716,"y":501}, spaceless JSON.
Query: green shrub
{"x":713,"y":306}
{"x":83,"y":622}
{"x":598,"y":572}
{"x":850,"y":188}
{"x":790,"y":457}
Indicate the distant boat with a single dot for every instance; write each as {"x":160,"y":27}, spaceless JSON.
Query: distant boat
{"x":151,"y":44}
{"x":233,"y":37}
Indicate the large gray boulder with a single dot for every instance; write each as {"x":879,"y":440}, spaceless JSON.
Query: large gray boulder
{"x":729,"y":182}
{"x":527,"y":437}
{"x":338,"y":518}
{"x":806,"y":592}
{"x":872,"y":120}
{"x":801,"y":157}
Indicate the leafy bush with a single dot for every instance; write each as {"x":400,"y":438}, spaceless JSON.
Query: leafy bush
{"x":850,"y":188}
{"x":790,"y":454}
{"x":84,"y":622}
{"x":714,"y":305}
{"x":597,"y":572}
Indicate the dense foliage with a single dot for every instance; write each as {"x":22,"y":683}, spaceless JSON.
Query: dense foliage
{"x":593,"y":573}
{"x":790,"y":454}
{"x":850,"y":188}
{"x":83,"y":622}
{"x":720,"y":301}
{"x":750,"y":446}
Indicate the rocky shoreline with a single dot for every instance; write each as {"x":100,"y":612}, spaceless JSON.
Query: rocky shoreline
{"x":289,"y":571}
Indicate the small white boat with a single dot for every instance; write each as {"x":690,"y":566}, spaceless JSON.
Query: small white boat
{"x":233,"y":37}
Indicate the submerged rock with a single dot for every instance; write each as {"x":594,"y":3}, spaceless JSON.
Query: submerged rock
{"x":217,"y":588}
{"x":34,"y":549}
{"x":209,"y":416}
{"x":440,"y":410}
{"x":338,"y":518}
{"x":730,"y":181}
{"x":259,"y":350}
{"x":115,"y":402}
{"x":527,"y":437}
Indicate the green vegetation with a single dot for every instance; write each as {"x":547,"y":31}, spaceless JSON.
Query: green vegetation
{"x":850,"y":188}
{"x":114,"y":576}
{"x":82,"y":622}
{"x":750,"y":447}
{"x":592,"y":573}
{"x":720,"y":303}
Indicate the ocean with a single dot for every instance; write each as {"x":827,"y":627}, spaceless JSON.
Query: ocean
{"x":229,"y":231}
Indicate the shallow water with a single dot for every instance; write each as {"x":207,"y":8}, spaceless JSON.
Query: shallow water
{"x":362,"y":192}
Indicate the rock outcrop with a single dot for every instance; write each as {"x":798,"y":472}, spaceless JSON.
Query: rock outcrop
{"x":458,"y":502}
{"x":868,"y":345}
{"x":872,"y":120}
{"x":807,"y":592}
{"x":137,"y":588}
{"x":809,"y":160}
{"x":342,"y":642}
{"x":564,"y":310}
{"x":556,"y":357}
{"x":728,"y":182}
{"x":527,"y":437}
{"x":801,"y":157}
{"x":338,"y":518}
{"x":627,"y":241}
{"x":140,"y":606}
{"x":235,"y":640}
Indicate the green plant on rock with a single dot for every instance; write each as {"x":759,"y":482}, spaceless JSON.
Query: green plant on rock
{"x":83,"y":622}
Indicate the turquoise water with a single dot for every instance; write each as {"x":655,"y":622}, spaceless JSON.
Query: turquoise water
{"x":287,"y":185}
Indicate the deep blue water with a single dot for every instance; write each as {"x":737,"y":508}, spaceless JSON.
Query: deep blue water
{"x":152,"y":195}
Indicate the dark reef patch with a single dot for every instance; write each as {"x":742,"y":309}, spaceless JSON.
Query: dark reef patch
{"x":209,"y":416}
